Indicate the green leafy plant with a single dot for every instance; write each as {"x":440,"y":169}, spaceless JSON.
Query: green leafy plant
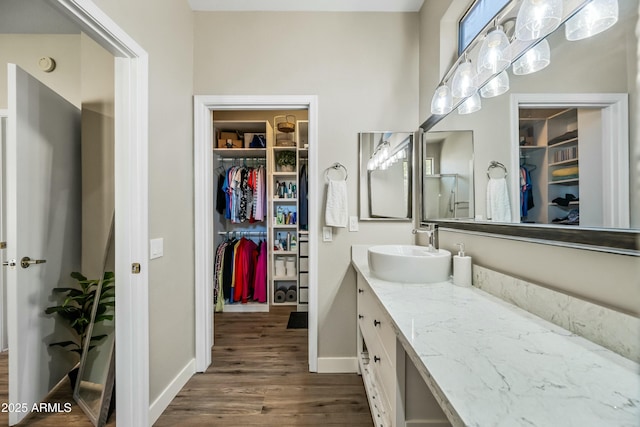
{"x":77,"y":306}
{"x":286,"y":158}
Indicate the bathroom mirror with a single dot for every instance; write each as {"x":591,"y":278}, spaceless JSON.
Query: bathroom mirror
{"x":385,"y":176}
{"x":95,"y":384}
{"x":447,"y":175}
{"x":606,"y":63}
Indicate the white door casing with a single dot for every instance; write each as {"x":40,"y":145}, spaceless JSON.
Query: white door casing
{"x":203,"y":187}
{"x":3,"y":275}
{"x":131,"y":207}
{"x":43,"y":210}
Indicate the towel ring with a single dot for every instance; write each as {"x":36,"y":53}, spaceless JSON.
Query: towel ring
{"x":493,"y":164}
{"x":336,"y":166}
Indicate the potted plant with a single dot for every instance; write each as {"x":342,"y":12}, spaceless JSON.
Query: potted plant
{"x":286,"y":161}
{"x":76,"y":310}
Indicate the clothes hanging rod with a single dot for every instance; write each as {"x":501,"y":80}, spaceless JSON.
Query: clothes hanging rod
{"x":243,"y":233}
{"x":235,"y":159}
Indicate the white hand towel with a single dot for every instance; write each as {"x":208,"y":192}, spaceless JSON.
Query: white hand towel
{"x":335,"y":214}
{"x":498,"y":207}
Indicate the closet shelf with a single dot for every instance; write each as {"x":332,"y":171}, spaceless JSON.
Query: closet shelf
{"x":284,"y":225}
{"x":565,"y":162}
{"x":286,"y":278}
{"x":575,"y":203}
{"x":240,"y":152}
{"x":573,"y":181}
{"x":281,"y":200}
{"x":293,"y":173}
{"x":276,"y":253}
{"x":532,"y":147}
{"x":560,"y":144}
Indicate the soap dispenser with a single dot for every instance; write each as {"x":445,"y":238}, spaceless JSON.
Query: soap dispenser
{"x":461,"y":267}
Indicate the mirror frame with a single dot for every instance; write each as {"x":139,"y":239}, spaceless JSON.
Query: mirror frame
{"x":415,"y":136}
{"x":100,"y":418}
{"x":618,"y":241}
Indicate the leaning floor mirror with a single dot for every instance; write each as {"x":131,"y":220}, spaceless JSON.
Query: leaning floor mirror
{"x":95,"y":386}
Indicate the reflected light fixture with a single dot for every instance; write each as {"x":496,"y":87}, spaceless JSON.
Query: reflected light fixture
{"x":594,"y":18}
{"x":537,"y":18}
{"x":496,"y":86}
{"x":470,"y":105}
{"x":535,"y":59}
{"x":463,"y":84}
{"x":442,"y":102}
{"x":495,"y":52}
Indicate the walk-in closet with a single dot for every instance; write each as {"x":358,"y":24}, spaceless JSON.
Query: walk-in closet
{"x":260,"y":173}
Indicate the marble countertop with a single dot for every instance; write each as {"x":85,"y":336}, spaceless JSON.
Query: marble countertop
{"x":490,"y":363}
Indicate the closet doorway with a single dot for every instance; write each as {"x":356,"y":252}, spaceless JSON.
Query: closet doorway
{"x":204,"y":210}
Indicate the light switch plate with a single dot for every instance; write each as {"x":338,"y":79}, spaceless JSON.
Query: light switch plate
{"x":156,"y":248}
{"x":353,"y":223}
{"x":327,"y":234}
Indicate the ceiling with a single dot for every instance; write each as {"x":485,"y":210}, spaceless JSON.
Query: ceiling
{"x":308,"y":5}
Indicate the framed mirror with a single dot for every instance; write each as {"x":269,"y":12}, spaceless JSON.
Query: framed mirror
{"x":96,"y":378}
{"x":514,"y":129}
{"x":385,"y":176}
{"x":447,"y":175}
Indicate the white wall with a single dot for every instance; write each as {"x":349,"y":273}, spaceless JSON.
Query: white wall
{"x":605,"y":278}
{"x":364,"y":69}
{"x":164,"y":28}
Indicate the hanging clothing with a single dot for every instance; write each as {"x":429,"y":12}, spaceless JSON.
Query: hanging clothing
{"x":526,"y":192}
{"x":245,"y":194}
{"x":221,"y":201}
{"x":303,"y":215}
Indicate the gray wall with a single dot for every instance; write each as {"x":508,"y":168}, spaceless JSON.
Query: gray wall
{"x":164,"y":28}
{"x":364,"y":69}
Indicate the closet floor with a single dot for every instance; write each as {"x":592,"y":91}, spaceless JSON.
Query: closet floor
{"x":62,"y":394}
{"x":259,"y":377}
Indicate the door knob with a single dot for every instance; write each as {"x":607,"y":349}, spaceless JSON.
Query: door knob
{"x":26,"y":262}
{"x":10,"y":263}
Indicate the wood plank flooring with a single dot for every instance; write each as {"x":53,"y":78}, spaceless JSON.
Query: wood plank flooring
{"x":62,"y":394}
{"x":259,"y":377}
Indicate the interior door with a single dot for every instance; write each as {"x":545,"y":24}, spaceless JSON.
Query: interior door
{"x":43,"y":212}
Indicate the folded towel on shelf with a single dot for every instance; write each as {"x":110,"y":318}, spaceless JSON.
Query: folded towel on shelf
{"x":563,"y":172}
{"x":498,"y":207}
{"x":335,"y":214}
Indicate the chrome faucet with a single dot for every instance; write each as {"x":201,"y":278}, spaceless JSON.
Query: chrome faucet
{"x":430,"y":231}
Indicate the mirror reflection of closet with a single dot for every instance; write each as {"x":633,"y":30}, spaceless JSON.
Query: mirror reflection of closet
{"x":95,"y":385}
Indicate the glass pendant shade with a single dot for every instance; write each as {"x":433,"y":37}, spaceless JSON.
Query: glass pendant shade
{"x":537,"y":18}
{"x":496,"y":86}
{"x":463,"y":83}
{"x":535,"y":59}
{"x":442,"y":102}
{"x":592,"y":19}
{"x":470,"y":105}
{"x":495,"y":54}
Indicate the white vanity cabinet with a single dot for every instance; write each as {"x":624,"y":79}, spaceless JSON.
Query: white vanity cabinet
{"x":397,"y":395}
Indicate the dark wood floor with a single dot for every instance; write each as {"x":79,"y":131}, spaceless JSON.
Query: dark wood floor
{"x":259,"y":377}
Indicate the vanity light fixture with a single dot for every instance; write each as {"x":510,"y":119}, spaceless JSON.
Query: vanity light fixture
{"x":463,"y":83}
{"x":495,"y":52}
{"x":535,"y":59}
{"x":496,"y":86}
{"x":537,"y":18}
{"x":442,"y":101}
{"x":471,"y":104}
{"x":594,"y":18}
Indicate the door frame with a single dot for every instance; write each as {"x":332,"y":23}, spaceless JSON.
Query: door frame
{"x":131,"y":206}
{"x":204,"y":190}
{"x":615,"y":146}
{"x":4,"y":114}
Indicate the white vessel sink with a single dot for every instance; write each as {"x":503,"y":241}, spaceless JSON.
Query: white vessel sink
{"x":409,"y":264}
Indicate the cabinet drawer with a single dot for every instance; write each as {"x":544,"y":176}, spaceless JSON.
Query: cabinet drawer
{"x":372,"y":317}
{"x":304,"y":264}
{"x":304,"y":279}
{"x":383,"y":369}
{"x":304,"y":248}
{"x":304,"y":296}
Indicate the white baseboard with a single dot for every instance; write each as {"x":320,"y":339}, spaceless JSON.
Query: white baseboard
{"x":169,"y":393}
{"x":337,"y":365}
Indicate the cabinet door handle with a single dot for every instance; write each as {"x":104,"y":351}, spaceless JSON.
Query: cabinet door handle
{"x":376,"y":359}
{"x":360,"y":316}
{"x":360,"y":291}
{"x":376,"y":322}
